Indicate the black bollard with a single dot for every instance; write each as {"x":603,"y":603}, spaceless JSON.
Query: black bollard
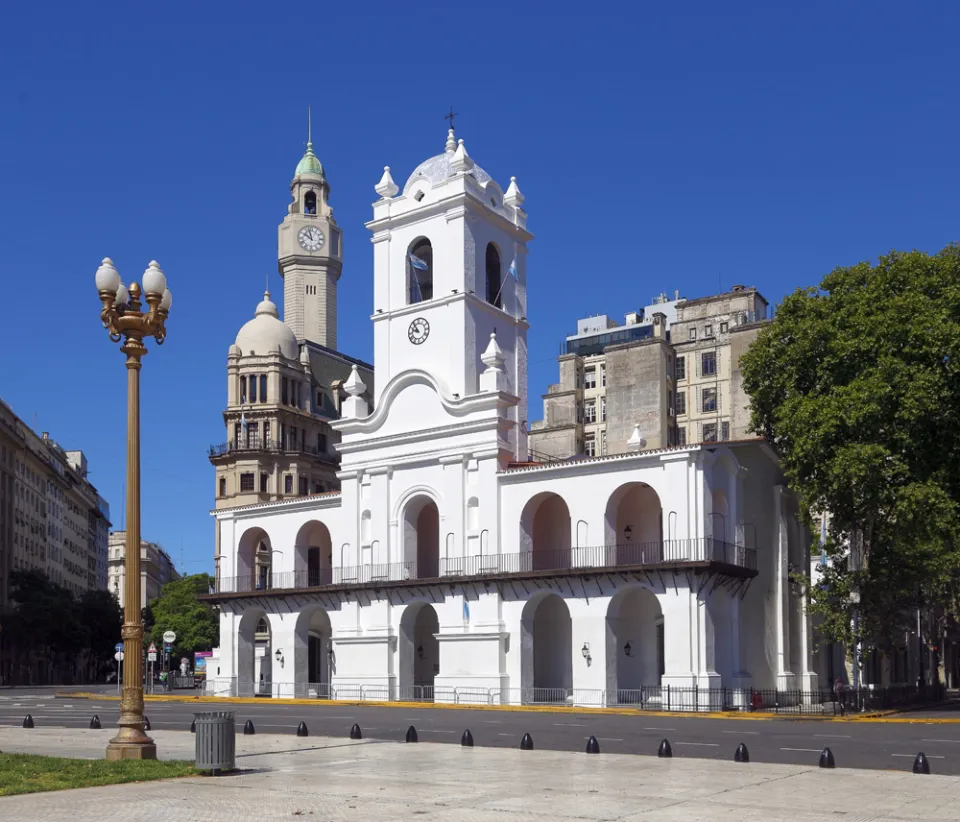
{"x":146,"y":722}
{"x":28,"y":721}
{"x":467,"y":739}
{"x":301,"y":729}
{"x":249,"y":730}
{"x":826,"y":759}
{"x":665,"y":751}
{"x":95,"y":723}
{"x":193,"y":726}
{"x":526,"y":744}
{"x":920,"y":764}
{"x":592,"y":745}
{"x":742,"y":754}
{"x":412,"y":734}
{"x":355,"y":732}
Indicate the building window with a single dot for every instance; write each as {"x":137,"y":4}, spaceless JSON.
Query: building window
{"x":310,"y":203}
{"x":681,"y":403}
{"x":708,"y":331}
{"x":693,"y":333}
{"x":223,"y":486}
{"x":317,"y":487}
{"x":253,"y":388}
{"x":724,"y":327}
{"x":603,"y":376}
{"x":263,"y":483}
{"x":709,"y":399}
{"x":288,"y":484}
{"x":708,"y":363}
{"x":590,"y":411}
{"x":603,"y":409}
{"x":304,"y":486}
{"x":590,"y":445}
{"x":709,"y":432}
{"x":246,"y":482}
{"x":321,"y":443}
{"x":494,"y":285}
{"x":682,"y":435}
{"x":680,"y":368}
{"x":263,"y":388}
{"x":590,"y":377}
{"x":420,"y":271}
{"x":724,"y":431}
{"x":296,"y":394}
{"x":243,"y":389}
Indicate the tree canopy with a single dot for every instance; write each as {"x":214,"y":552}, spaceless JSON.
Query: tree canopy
{"x":856,"y":385}
{"x":177,"y":609}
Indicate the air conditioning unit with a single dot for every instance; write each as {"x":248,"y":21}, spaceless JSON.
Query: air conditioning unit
{"x":670,"y":411}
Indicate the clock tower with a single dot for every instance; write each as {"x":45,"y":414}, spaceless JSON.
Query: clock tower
{"x":310,"y":254}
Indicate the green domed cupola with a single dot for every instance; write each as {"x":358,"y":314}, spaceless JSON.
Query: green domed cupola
{"x":309,"y":164}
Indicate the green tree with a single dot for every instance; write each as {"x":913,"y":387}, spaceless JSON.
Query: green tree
{"x":99,"y":613}
{"x":177,"y":609}
{"x":856,"y":385}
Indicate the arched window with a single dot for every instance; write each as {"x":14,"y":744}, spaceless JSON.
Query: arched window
{"x":310,"y":203}
{"x":420,"y":271}
{"x":493,"y":276}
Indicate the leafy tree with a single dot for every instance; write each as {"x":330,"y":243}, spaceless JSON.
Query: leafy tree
{"x":177,"y":609}
{"x":101,"y":617}
{"x":856,"y":385}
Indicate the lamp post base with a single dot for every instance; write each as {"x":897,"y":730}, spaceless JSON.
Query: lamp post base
{"x":131,"y":750}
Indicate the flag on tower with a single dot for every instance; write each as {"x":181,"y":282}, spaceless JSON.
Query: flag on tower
{"x":416,"y":264}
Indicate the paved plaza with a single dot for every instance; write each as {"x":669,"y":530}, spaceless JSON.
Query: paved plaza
{"x":285,"y":778}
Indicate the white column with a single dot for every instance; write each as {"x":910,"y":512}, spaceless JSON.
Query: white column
{"x":283,"y":672}
{"x":785,"y":677}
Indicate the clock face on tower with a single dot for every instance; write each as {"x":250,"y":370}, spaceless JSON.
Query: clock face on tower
{"x":310,"y":238}
{"x":419,"y":331}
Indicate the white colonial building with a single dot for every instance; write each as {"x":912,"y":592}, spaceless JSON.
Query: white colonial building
{"x":450,"y":566}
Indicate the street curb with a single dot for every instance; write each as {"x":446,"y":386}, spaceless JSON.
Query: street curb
{"x":876,"y":716}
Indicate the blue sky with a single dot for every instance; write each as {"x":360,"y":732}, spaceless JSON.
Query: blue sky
{"x":660,"y":147}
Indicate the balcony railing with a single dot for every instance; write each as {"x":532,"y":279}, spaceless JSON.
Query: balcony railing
{"x":268,"y":446}
{"x":627,"y":555}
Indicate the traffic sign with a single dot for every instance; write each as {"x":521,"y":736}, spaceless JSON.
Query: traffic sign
{"x":118,"y":647}
{"x":151,"y":656}
{"x":169,"y":637}
{"x":152,"y":649}
{"x":167,"y":649}
{"x":118,"y":656}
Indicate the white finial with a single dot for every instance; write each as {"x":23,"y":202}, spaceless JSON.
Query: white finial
{"x":636,"y":441}
{"x":451,"y":145}
{"x":493,"y":378}
{"x":461,"y":161}
{"x":386,"y":187}
{"x":267,"y":306}
{"x":354,"y":386}
{"x":513,"y":196}
{"x":493,"y":356}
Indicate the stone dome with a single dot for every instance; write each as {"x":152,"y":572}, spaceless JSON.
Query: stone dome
{"x":266,"y":334}
{"x":438,"y":168}
{"x":309,"y":163}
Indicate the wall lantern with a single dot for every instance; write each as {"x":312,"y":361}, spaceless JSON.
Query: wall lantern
{"x":585,"y":650}
{"x":628,"y":648}
{"x":420,"y":651}
{"x":279,"y":656}
{"x":628,"y":532}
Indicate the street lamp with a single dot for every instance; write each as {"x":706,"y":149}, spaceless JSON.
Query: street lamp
{"x":128,"y":325}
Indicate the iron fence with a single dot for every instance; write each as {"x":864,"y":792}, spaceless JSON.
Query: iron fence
{"x":670,"y":698}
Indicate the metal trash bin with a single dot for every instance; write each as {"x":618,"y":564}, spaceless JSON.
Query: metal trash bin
{"x":216,"y":741}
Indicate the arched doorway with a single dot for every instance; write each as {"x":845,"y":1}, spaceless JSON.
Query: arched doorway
{"x":314,"y":555}
{"x":254,"y":558}
{"x":312,"y":657}
{"x":634,"y":526}
{"x":545,"y":533}
{"x":254,"y":663}
{"x":635,"y":647}
{"x":546,"y":650}
{"x":419,"y":651}
{"x":421,"y":537}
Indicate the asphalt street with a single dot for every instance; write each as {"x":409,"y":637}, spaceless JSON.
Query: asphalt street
{"x":877,"y":745}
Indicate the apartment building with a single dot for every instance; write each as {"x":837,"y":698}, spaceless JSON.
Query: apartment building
{"x":672,"y":369}
{"x":156,"y":569}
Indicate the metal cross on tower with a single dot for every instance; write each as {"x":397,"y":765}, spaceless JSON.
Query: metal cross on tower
{"x":450,"y":116}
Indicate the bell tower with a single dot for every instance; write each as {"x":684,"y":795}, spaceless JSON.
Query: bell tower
{"x":310,"y":254}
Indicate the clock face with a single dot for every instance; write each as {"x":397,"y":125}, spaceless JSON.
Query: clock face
{"x":419,"y":331}
{"x":310,"y":238}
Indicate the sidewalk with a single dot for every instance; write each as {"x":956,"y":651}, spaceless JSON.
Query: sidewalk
{"x":329,"y":780}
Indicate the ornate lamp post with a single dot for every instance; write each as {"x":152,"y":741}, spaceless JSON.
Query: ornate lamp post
{"x":128,"y":325}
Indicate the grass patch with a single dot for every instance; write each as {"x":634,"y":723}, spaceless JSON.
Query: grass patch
{"x":24,"y":773}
